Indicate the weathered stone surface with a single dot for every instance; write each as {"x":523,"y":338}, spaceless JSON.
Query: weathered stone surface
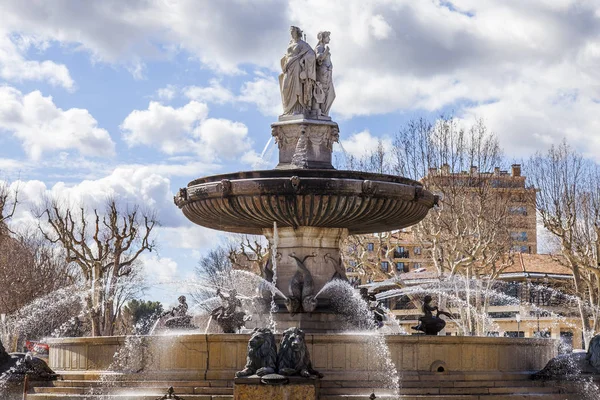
{"x":319,"y":247}
{"x":305,"y":143}
{"x":249,"y":202}
{"x":297,"y":389}
{"x":338,"y":357}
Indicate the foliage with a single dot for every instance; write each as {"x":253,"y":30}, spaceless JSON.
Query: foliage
{"x":138,"y":316}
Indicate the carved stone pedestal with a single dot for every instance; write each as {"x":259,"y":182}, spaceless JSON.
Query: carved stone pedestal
{"x":319,"y":251}
{"x":298,"y":388}
{"x":305,"y":143}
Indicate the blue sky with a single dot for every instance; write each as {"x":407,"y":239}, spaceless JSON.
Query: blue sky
{"x":135,"y":99}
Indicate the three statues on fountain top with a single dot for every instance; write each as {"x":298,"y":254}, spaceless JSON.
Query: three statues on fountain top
{"x":306,"y":82}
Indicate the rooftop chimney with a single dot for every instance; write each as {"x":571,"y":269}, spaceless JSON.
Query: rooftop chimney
{"x":473,"y":169}
{"x":445,"y":169}
{"x":516,"y":169}
{"x":497,"y":171}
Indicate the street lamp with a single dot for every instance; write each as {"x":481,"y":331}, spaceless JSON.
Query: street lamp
{"x":518,"y":318}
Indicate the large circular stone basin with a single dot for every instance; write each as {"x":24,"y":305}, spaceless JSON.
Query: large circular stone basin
{"x":248,"y":202}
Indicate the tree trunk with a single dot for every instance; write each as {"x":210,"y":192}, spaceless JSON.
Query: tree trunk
{"x":585,"y":321}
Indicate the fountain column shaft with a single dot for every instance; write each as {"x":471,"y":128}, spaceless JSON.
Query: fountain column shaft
{"x":321,"y":245}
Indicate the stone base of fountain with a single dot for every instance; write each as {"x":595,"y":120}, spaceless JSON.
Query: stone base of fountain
{"x":297,"y":388}
{"x":197,"y":365}
{"x":338,"y":357}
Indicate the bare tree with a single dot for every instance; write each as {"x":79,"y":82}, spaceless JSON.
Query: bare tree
{"x":469,"y":234}
{"x":367,"y":253}
{"x":8,"y":205}
{"x":569,"y":207}
{"x":251,"y":253}
{"x":106,"y":246}
{"x":29,"y":269}
{"x":214,"y":271}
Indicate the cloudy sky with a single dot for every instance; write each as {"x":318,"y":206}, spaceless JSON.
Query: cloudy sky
{"x":134,"y":99}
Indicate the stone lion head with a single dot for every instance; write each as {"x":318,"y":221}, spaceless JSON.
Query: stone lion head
{"x":293,"y":353}
{"x":262,"y":353}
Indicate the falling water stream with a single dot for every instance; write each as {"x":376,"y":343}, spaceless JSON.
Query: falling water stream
{"x":273,"y":309}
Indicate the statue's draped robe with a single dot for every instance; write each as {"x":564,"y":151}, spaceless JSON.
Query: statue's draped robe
{"x":324,"y":78}
{"x":298,"y":78}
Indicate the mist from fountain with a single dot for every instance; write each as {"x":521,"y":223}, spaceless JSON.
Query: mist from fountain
{"x":346,"y":301}
{"x":454,"y":292}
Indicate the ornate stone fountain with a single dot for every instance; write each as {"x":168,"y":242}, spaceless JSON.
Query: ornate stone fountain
{"x":313,"y":205}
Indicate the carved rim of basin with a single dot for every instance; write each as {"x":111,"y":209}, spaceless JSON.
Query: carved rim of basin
{"x":249,"y":202}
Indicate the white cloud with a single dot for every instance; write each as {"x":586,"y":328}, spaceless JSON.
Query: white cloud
{"x":255,"y":160}
{"x":222,"y":34}
{"x":167,"y":93}
{"x":214,"y":93}
{"x":189,"y":236}
{"x":8,"y":165}
{"x":223,"y":138}
{"x":363,"y":143}
{"x":43,"y":127}
{"x":388,"y":56}
{"x":164,"y":126}
{"x":15,"y":68}
{"x":127,"y":184}
{"x":264,"y":93}
{"x":186,"y":130}
{"x":158,"y":269}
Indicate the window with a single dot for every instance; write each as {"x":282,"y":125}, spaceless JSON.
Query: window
{"x":352,"y":263}
{"x":416,"y":265}
{"x":400,"y":252}
{"x":370,"y":246}
{"x":521,"y":249}
{"x":514,"y":334}
{"x":403,"y":303}
{"x":417,"y":250}
{"x":512,"y":290}
{"x":519,"y":236}
{"x":385,"y":266}
{"x":400,"y":266}
{"x":517,"y":210}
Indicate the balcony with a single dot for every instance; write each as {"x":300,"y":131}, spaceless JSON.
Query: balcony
{"x":401,"y":254}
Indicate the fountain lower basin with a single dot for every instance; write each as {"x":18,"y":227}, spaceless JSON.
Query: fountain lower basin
{"x":347,"y":357}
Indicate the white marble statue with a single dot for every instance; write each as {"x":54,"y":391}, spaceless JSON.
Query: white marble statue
{"x":324,"y":92}
{"x":297,"y":81}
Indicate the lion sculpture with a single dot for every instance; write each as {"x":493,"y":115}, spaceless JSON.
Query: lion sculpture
{"x":262,"y":354}
{"x":293,"y":357}
{"x":593,"y":353}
